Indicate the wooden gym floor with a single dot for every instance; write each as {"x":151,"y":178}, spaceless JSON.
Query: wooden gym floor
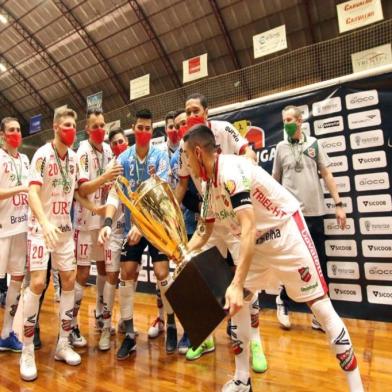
{"x":298,"y":360}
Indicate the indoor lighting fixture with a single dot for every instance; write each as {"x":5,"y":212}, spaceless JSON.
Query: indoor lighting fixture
{"x":3,"y":19}
{"x":3,"y":68}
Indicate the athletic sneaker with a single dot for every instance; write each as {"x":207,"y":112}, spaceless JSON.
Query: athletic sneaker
{"x":156,"y":328}
{"x":28,"y":370}
{"x":127,"y":346}
{"x":76,"y":339}
{"x":104,"y":341}
{"x":259,"y":362}
{"x":11,"y":343}
{"x":121,"y":328}
{"x":206,"y":347}
{"x":316,"y":325}
{"x":171,"y":339}
{"x":64,"y":352}
{"x":237,"y":386}
{"x":184,"y":344}
{"x":282,"y":313}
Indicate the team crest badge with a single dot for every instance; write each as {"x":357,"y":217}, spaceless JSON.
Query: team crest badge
{"x":230,"y":186}
{"x":311,"y":152}
{"x":305,"y":274}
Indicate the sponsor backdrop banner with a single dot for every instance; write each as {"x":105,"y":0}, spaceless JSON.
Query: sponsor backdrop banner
{"x":353,"y":121}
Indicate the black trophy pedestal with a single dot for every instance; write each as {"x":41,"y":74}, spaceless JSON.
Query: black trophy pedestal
{"x":197,"y":295}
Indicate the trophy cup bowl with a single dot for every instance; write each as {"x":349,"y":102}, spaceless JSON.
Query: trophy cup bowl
{"x":198,"y":291}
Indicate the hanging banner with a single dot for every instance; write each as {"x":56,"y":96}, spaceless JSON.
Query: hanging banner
{"x":113,"y":125}
{"x":372,"y":58}
{"x":35,"y":124}
{"x":194,"y":68}
{"x":139,"y":87}
{"x":94,"y":101}
{"x":358,"y":13}
{"x":270,"y":41}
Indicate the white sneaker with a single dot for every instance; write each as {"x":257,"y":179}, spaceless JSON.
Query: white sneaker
{"x":76,"y":339}
{"x":104,"y":341}
{"x":156,"y":328}
{"x":282,"y":313}
{"x":237,"y":386}
{"x":28,"y":370}
{"x":64,"y":352}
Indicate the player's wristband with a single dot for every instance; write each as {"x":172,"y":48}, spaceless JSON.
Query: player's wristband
{"x":340,"y":204}
{"x":108,"y":222}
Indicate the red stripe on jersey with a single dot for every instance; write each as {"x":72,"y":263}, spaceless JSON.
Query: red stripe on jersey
{"x":35,"y":183}
{"x":28,"y":255}
{"x":310,"y":245}
{"x":183,"y":177}
{"x":210,"y":220}
{"x":242,"y":149}
{"x":82,"y":180}
{"x":76,"y":238}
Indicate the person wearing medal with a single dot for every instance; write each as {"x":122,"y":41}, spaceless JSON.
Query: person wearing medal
{"x":96,"y":173}
{"x":13,"y":224}
{"x":139,"y":162}
{"x":52,"y":181}
{"x":299,"y":162}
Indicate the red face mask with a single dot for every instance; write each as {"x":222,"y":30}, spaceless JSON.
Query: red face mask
{"x":182,"y":131}
{"x":173,"y":136}
{"x":97,"y":135}
{"x":67,"y":136}
{"x":118,"y":149}
{"x":13,"y":139}
{"x":142,"y":138}
{"x":194,"y":120}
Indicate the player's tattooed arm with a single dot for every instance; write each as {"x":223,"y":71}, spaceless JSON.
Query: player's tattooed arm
{"x":201,"y":235}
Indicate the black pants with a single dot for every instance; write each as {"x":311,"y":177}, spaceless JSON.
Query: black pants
{"x":3,"y":284}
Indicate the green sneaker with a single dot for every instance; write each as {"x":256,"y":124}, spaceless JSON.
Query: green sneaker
{"x":259,"y":362}
{"x":206,"y":347}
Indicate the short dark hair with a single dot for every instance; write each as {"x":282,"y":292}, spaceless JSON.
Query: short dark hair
{"x":95,"y":112}
{"x":178,"y":112}
{"x":114,"y":132}
{"x":170,"y":116}
{"x":200,"y":135}
{"x":5,"y":121}
{"x":202,"y":98}
{"x":144,"y":114}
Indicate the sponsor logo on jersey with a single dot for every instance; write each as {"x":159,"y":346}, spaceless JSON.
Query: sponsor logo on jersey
{"x":376,"y":225}
{"x":327,"y":106}
{"x":305,"y":274}
{"x":377,"y":248}
{"x":341,"y":248}
{"x":345,"y":292}
{"x":230,"y":186}
{"x":84,"y":162}
{"x":379,"y":294}
{"x":371,"y":181}
{"x":369,"y":160}
{"x":268,"y":236}
{"x":378,"y":271}
{"x":233,"y":132}
{"x":368,"y":118}
{"x":267,"y":203}
{"x":40,"y":166}
{"x":311,"y":287}
{"x":367,"y":139}
{"x":362,"y":99}
{"x":328,"y":125}
{"x":374,"y":203}
{"x":342,"y":270}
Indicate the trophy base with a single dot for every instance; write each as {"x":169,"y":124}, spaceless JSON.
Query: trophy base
{"x":197,"y":295}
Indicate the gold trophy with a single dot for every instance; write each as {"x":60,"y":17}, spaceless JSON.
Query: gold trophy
{"x":198,"y":291}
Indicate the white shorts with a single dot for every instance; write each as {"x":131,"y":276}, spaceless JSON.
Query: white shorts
{"x":287,"y":254}
{"x":113,"y":253}
{"x":87,"y":247}
{"x":223,"y":240}
{"x":63,"y":257}
{"x":13,"y":251}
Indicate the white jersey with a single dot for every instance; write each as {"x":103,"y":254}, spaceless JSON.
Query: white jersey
{"x":228,"y":141}
{"x":57,"y":177}
{"x":239,"y":183}
{"x":13,"y":211}
{"x":92,"y":164}
{"x":118,"y":226}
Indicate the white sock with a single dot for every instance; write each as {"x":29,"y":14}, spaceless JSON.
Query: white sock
{"x":100,"y":282}
{"x":127,"y":292}
{"x":11,"y":303}
{"x":254,"y":318}
{"x":78,"y":301}
{"x":163,"y":287}
{"x":240,"y":338}
{"x":30,"y":311}
{"x":161,"y":311}
{"x":67,"y":299}
{"x":108,"y":299}
{"x":339,"y":340}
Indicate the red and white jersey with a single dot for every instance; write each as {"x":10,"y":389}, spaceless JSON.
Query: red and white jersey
{"x":228,"y":141}
{"x":92,"y":163}
{"x":13,"y":211}
{"x":118,"y":226}
{"x":239,"y":183}
{"x":58,"y":185}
